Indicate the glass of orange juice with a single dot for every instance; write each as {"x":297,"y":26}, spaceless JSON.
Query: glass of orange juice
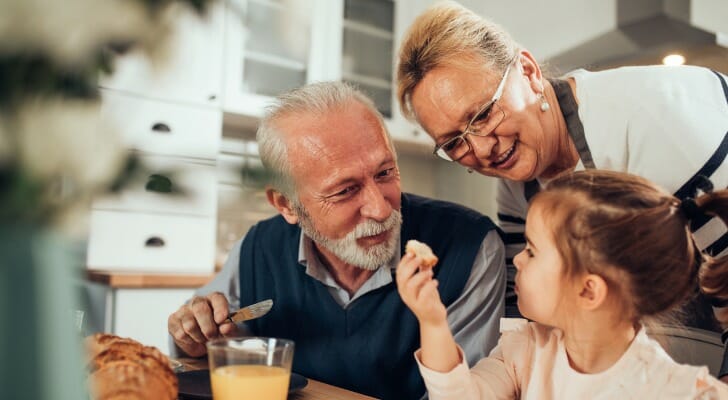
{"x":250,"y":368}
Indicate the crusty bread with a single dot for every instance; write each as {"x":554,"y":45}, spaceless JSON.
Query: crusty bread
{"x":423,"y":251}
{"x":123,"y":368}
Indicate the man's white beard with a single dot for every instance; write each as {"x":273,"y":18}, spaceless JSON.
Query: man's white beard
{"x":347,"y":249}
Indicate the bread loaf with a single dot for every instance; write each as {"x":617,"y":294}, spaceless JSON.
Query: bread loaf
{"x":123,"y":368}
{"x":423,"y":251}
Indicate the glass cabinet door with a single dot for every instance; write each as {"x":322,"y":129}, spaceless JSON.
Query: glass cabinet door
{"x":268,"y":46}
{"x":276,"y":43}
{"x":367,"y":49}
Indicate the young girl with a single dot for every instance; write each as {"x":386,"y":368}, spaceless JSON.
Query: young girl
{"x":604,"y":250}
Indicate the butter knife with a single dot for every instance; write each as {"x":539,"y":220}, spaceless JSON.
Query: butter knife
{"x":252,"y":311}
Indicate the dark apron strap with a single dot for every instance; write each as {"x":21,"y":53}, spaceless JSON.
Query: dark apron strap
{"x":570,"y":110}
{"x":710,"y":166}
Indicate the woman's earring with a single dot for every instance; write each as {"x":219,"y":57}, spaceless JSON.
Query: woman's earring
{"x":544,"y":104}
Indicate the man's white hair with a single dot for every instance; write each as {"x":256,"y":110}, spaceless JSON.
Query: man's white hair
{"x":313,"y":99}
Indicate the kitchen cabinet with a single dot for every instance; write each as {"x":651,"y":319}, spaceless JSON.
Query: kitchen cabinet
{"x":170,"y":117}
{"x":272,"y":46}
{"x":188,"y":72}
{"x":136,"y":305}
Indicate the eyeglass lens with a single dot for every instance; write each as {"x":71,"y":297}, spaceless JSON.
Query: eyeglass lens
{"x":483,"y":125}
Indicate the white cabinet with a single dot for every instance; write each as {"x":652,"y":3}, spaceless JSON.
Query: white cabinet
{"x":163,"y":128}
{"x":136,"y":242}
{"x":136,"y":306}
{"x":190,"y":71}
{"x":141,"y":314}
{"x":271,"y":46}
{"x":170,"y":116}
{"x":192,"y":186}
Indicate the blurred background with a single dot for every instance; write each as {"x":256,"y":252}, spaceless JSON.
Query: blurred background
{"x":195,"y":110}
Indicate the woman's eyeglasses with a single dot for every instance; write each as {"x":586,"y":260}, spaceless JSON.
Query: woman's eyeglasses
{"x":483,"y":123}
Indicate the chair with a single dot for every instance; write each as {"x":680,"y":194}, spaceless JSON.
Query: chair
{"x":691,"y":345}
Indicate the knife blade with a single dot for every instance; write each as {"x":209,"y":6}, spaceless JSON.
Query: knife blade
{"x":252,"y":311}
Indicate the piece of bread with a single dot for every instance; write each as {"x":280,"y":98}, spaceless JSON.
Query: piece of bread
{"x":122,"y":368}
{"x":423,"y":251}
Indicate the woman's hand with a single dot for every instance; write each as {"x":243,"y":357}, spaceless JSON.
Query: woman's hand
{"x":419,"y":291}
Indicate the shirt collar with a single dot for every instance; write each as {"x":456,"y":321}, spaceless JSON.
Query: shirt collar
{"x":308,"y":257}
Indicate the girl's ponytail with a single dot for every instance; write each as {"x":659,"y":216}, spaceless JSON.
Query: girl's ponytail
{"x":714,"y":270}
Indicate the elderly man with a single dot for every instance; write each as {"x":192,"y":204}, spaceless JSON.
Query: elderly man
{"x":328,"y":259}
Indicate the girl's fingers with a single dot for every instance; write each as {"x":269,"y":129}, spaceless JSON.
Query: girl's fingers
{"x":407,"y":267}
{"x":428,"y":291}
{"x":415,"y":284}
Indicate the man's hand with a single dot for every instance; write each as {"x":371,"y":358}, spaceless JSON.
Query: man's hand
{"x":419,"y":291}
{"x":200,"y":320}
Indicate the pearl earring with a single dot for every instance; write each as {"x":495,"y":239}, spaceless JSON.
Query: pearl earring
{"x":545,"y":106}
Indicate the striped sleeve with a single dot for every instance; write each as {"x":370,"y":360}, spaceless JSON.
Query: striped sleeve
{"x":512,"y":208}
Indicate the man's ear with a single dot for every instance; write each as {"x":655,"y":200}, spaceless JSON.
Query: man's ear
{"x":593,"y":291}
{"x":282,"y":204}
{"x":531,"y":70}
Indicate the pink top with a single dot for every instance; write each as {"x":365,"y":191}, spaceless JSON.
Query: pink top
{"x":530,"y":362}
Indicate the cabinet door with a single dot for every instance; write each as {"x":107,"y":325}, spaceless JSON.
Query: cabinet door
{"x":189,"y":72}
{"x":141,"y":314}
{"x":404,"y":131}
{"x":371,"y":32}
{"x":368,"y":49}
{"x":270,"y":49}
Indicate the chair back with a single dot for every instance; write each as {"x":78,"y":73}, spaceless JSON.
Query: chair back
{"x":691,"y":346}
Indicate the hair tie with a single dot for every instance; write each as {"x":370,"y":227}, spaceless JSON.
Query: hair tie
{"x":690,"y":209}
{"x":702,"y":183}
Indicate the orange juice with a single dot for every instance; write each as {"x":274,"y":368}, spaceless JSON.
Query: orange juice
{"x":254,"y":382}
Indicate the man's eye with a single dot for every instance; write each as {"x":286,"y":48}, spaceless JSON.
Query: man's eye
{"x":529,"y":252}
{"x":386,"y":173}
{"x":345,"y":192}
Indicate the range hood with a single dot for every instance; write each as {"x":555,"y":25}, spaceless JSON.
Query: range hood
{"x":647,"y":30}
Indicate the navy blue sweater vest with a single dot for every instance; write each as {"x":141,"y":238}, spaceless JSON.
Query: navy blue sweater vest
{"x":368,"y":347}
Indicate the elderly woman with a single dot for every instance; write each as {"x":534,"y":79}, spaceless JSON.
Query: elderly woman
{"x":485,"y":102}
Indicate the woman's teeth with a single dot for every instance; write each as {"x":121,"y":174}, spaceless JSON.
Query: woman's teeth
{"x":505,"y":155}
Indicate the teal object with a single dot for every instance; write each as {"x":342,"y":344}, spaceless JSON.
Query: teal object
{"x":40,"y":346}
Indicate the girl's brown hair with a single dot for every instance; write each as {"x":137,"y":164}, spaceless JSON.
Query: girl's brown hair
{"x":633,"y":234}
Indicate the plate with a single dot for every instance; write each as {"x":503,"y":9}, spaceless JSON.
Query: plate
{"x":196,"y":384}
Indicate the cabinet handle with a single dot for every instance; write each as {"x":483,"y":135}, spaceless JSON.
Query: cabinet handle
{"x":161,"y":127}
{"x":159,"y":184}
{"x":154,"y":241}
{"x":211,"y":97}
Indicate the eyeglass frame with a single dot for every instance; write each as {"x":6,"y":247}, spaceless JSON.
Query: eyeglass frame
{"x":467,"y":131}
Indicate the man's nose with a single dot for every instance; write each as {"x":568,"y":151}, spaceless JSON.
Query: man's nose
{"x":375,"y":205}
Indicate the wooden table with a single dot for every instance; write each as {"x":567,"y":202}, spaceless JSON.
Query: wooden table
{"x":315,"y":390}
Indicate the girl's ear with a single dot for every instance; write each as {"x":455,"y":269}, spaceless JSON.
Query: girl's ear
{"x":593,"y":291}
{"x":282,"y":204}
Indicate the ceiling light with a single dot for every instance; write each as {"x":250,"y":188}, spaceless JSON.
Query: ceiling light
{"x":673,"y":59}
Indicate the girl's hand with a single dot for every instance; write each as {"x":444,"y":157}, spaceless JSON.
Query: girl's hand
{"x":419,"y":291}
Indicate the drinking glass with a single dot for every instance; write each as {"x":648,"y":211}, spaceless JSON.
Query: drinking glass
{"x":250,"y":368}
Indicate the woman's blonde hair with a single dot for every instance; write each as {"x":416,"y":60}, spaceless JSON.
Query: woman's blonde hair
{"x":633,"y":234}
{"x":448,"y":33}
